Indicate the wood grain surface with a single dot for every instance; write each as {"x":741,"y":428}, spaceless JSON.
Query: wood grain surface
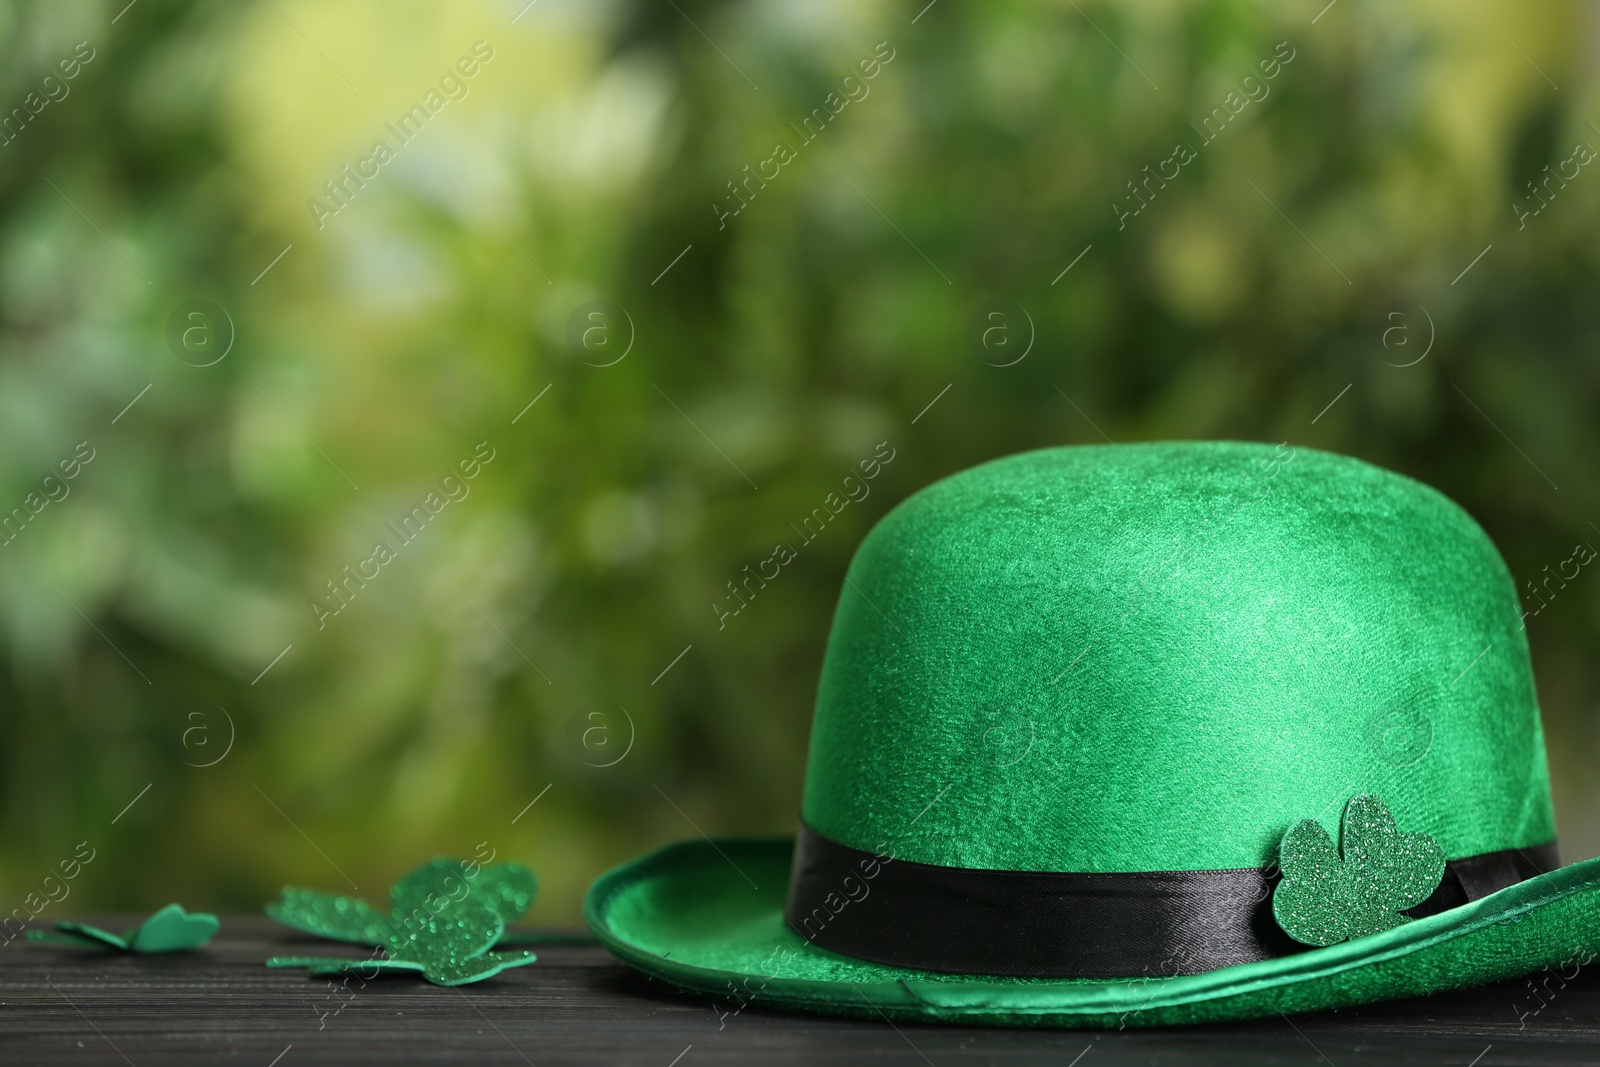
{"x":577,"y":1005}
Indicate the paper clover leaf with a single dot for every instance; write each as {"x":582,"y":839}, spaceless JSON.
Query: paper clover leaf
{"x":1325,"y":898}
{"x":444,"y":919}
{"x":169,"y":930}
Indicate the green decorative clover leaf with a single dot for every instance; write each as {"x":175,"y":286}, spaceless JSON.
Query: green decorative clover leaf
{"x":169,"y":930}
{"x":444,"y":919}
{"x":1324,"y":899}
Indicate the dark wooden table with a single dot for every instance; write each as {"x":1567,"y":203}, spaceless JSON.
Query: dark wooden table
{"x":579,"y":1006}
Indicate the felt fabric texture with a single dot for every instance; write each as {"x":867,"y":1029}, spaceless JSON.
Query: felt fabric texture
{"x":687,"y":915}
{"x":1329,"y":894}
{"x":1160,"y":656}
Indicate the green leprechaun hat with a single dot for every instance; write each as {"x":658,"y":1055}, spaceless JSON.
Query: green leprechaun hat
{"x":1138,"y":735}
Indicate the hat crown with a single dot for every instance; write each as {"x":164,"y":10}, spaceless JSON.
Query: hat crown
{"x":1160,"y":656}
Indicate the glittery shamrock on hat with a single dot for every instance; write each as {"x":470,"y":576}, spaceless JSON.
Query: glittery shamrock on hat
{"x":1325,"y":898}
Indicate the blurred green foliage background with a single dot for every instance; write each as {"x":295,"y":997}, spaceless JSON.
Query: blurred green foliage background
{"x":518,"y":643}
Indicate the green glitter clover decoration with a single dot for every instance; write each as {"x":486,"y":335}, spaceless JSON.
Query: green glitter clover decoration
{"x":1324,"y":899}
{"x":444,"y":919}
{"x":169,"y":930}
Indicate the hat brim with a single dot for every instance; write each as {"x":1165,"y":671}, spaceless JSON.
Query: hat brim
{"x":707,"y":916}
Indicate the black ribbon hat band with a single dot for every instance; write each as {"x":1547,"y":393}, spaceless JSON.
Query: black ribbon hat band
{"x":1047,"y":924}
